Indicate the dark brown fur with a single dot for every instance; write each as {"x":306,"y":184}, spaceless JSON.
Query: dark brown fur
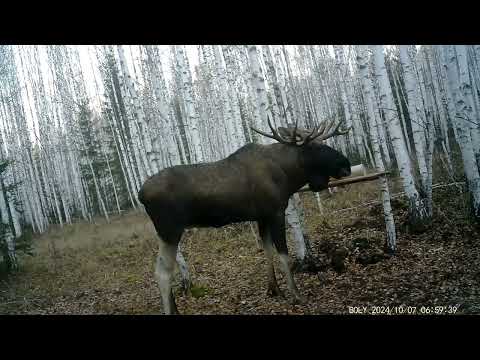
{"x":253,"y":184}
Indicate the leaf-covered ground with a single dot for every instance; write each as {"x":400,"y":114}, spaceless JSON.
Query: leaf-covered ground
{"x":108,"y":268}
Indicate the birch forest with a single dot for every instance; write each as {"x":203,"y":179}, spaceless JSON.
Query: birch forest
{"x":83,"y":127}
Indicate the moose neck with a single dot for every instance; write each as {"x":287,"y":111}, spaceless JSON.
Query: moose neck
{"x":290,"y":159}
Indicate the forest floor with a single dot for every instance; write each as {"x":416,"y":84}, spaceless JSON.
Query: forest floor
{"x":108,"y":268}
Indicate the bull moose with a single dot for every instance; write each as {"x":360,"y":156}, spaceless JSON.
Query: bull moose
{"x":252,"y":184}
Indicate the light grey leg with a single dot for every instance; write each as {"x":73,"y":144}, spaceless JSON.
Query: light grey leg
{"x":266,"y":241}
{"x":273,"y":288}
{"x":182,"y":266}
{"x":163,"y":273}
{"x":289,"y":277}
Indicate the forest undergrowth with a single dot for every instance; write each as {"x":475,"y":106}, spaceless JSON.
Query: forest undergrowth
{"x":108,"y":268}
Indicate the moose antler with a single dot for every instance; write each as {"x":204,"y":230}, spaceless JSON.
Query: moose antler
{"x":276,"y":136}
{"x":320,"y":135}
{"x":321,"y":132}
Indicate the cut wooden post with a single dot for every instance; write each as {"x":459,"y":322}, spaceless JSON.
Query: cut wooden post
{"x":350,"y":180}
{"x":356,"y":170}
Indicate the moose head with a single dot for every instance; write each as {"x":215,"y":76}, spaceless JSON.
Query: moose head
{"x":320,"y":161}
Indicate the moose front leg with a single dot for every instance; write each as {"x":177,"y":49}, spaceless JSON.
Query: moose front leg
{"x":273,"y":289}
{"x":277,"y":231}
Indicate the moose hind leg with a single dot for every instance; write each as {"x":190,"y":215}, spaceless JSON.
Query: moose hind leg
{"x":164,"y":270}
{"x":273,"y":289}
{"x":182,"y":266}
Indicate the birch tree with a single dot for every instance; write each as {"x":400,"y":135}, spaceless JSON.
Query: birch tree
{"x":418,"y":125}
{"x":187,"y":92}
{"x":362,"y":63}
{"x":460,"y":119}
{"x":81,"y":147}
{"x":417,"y":207}
{"x":7,"y":243}
{"x":291,"y":212}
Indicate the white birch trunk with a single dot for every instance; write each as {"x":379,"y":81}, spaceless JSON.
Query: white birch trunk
{"x":418,"y":125}
{"x":187,"y":92}
{"x":463,"y":130}
{"x":151,"y":165}
{"x":467,"y":108}
{"x":232,"y":71}
{"x":339,"y":57}
{"x":429,"y":101}
{"x":9,"y":238}
{"x":296,"y":225}
{"x":400,"y":109}
{"x":160,"y":90}
{"x":232,"y":134}
{"x":417,"y":207}
{"x":262,"y":104}
{"x":362,"y":63}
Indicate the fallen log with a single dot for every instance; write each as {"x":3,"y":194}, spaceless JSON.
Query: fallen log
{"x":397,"y":195}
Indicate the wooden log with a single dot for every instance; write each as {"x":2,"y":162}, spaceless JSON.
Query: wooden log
{"x":350,"y":180}
{"x":356,"y":170}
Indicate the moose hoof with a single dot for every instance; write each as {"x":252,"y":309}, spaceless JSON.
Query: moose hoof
{"x":173,"y":310}
{"x":272,"y":292}
{"x":187,"y":289}
{"x":298,"y":300}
